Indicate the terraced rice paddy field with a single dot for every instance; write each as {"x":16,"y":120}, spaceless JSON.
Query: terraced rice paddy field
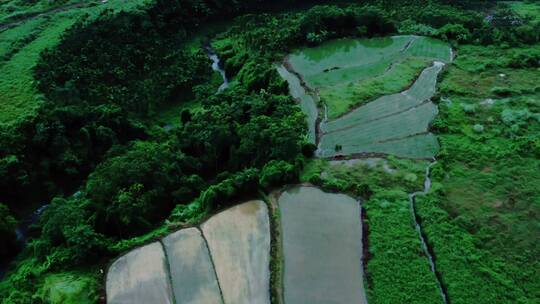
{"x":23,"y":39}
{"x":372,"y":97}
{"x":322,"y":244}
{"x":225,"y":260}
{"x":375,"y":93}
{"x":307,"y":101}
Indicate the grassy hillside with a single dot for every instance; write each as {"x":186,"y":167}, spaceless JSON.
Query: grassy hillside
{"x":21,"y":45}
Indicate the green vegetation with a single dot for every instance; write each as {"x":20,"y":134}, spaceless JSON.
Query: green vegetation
{"x":86,"y":89}
{"x":13,"y":11}
{"x":7,"y":232}
{"x":346,"y":97}
{"x":395,"y":256}
{"x":69,"y":288}
{"x":23,"y":45}
{"x":101,"y":100}
{"x":526,"y":9}
{"x":482,"y":218}
{"x":492,"y":72}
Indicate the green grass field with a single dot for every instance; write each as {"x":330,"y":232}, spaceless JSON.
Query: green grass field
{"x":20,"y":47}
{"x":16,"y":10}
{"x":493,"y":72}
{"x":482,"y":217}
{"x":69,"y":288}
{"x":526,"y":9}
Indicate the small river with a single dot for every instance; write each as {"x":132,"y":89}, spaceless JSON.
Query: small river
{"x":22,"y":232}
{"x":216,"y":66}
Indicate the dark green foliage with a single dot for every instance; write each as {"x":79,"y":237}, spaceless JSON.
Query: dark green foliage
{"x":103,"y":84}
{"x":121,"y":59}
{"x":55,"y":151}
{"x":106,"y":81}
{"x":132,"y":191}
{"x":468,"y":21}
{"x":218,"y":196}
{"x":66,"y":223}
{"x":277,"y":173}
{"x":271,"y":34}
{"x":8,"y":239}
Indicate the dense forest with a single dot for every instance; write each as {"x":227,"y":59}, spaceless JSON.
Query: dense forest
{"x":115,"y":168}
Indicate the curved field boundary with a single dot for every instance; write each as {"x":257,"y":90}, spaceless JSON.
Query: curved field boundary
{"x":224,"y":261}
{"x":307,"y":101}
{"x":395,"y":124}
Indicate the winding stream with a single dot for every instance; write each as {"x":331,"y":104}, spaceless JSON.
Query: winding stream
{"x":423,"y":238}
{"x":216,"y":66}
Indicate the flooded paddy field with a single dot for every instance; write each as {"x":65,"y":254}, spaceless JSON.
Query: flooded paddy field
{"x":395,"y":123}
{"x":322,"y":244}
{"x":225,"y":261}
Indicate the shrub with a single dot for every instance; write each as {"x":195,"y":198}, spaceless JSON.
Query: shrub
{"x":478,"y":128}
{"x":277,"y":172}
{"x":454,"y":32}
{"x":8,"y":239}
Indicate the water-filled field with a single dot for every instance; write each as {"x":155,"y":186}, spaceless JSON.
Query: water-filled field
{"x":394,"y":124}
{"x":140,"y":277}
{"x":307,"y":101}
{"x":191,"y":270}
{"x":349,"y":72}
{"x":239,"y":243}
{"x":226,"y":260}
{"x":322,"y":245}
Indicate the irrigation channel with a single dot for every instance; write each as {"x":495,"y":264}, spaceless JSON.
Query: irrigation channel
{"x":425,"y":246}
